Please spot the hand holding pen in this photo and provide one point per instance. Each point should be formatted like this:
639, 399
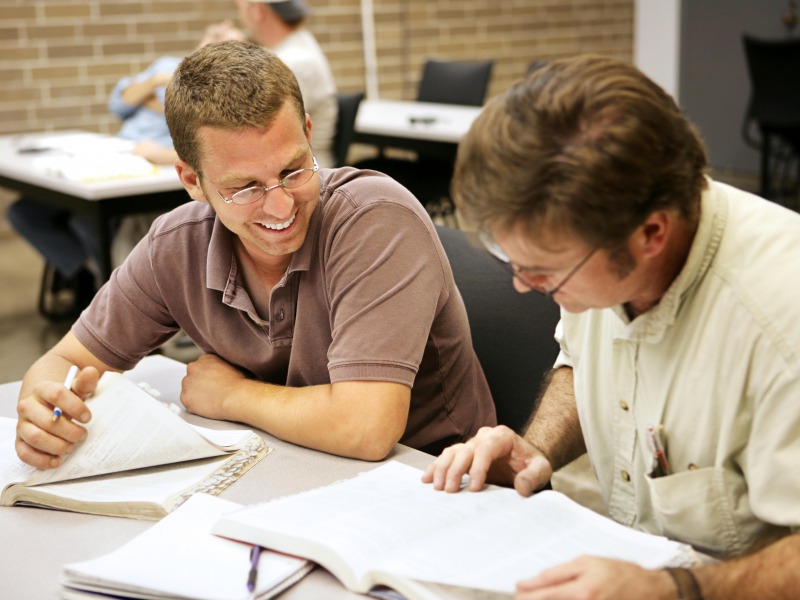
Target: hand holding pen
51, 415
73, 371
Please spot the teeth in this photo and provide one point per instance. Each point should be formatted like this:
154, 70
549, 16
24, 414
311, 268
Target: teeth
279, 226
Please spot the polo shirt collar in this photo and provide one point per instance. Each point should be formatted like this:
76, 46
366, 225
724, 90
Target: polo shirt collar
222, 267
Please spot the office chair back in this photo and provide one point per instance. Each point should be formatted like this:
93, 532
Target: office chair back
774, 110
450, 82
774, 70
345, 125
512, 333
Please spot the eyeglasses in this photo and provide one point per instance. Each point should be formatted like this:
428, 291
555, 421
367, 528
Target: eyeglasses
293, 180
522, 273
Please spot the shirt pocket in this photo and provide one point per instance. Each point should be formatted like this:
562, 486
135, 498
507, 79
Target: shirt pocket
706, 508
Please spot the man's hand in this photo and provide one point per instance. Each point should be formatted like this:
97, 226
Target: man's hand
495, 454
42, 441
209, 380
155, 152
597, 579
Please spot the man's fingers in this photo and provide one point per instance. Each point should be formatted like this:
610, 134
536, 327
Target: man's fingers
42, 443
437, 471
71, 401
463, 462
490, 449
536, 474
33, 457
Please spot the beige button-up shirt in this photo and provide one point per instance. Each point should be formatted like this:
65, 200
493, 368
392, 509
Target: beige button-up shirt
715, 365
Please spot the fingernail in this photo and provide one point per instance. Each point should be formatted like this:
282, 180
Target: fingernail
85, 417
55, 461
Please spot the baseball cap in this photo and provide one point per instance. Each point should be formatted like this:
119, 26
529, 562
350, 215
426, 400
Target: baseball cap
288, 10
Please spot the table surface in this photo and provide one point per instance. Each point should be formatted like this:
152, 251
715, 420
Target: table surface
415, 120
29, 167
37, 542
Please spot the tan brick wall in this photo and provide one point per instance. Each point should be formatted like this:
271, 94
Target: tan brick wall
59, 59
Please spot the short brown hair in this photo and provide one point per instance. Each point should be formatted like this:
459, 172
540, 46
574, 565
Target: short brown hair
586, 145
227, 85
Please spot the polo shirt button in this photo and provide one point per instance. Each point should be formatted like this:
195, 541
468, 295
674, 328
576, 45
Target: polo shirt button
625, 475
280, 315
623, 405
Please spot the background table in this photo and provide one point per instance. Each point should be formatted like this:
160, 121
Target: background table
433, 128
37, 542
101, 200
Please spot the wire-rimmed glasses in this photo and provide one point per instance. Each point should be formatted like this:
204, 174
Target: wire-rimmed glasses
523, 273
293, 180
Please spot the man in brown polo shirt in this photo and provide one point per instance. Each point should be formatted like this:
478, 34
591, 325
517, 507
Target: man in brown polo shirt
322, 298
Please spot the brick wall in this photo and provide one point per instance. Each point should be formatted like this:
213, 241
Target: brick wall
59, 59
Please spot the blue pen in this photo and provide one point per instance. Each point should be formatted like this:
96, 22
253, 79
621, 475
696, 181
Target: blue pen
252, 576
71, 374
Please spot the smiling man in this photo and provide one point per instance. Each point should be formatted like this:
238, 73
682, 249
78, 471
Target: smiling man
679, 371
322, 298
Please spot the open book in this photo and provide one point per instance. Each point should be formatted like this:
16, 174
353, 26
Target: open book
385, 527
178, 557
139, 460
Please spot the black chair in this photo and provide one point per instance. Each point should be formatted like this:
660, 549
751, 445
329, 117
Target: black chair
774, 109
62, 298
443, 82
452, 82
512, 333
345, 123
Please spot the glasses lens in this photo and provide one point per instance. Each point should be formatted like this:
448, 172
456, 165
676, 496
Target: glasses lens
492, 247
298, 178
248, 195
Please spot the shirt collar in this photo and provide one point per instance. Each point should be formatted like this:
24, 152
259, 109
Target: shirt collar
222, 267
652, 325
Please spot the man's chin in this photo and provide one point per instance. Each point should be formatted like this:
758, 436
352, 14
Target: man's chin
572, 307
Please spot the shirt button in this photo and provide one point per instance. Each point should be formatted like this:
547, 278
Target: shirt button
280, 315
623, 405
625, 475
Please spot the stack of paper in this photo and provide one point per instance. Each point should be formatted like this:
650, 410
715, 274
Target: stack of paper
180, 558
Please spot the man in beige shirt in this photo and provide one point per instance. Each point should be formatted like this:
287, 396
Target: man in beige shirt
679, 371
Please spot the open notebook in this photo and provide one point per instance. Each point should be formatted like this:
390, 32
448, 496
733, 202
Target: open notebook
179, 558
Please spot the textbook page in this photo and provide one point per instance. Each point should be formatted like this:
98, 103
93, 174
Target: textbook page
151, 486
129, 430
179, 558
386, 525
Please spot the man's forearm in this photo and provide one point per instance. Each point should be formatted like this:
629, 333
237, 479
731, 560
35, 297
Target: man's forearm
555, 429
54, 364
360, 419
137, 94
773, 572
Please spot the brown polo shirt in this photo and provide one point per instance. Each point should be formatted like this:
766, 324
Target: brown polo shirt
368, 297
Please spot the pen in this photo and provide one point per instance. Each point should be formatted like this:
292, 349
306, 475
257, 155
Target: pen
255, 554
656, 445
73, 371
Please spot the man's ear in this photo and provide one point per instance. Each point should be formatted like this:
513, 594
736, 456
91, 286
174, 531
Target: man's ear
308, 128
190, 180
653, 234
